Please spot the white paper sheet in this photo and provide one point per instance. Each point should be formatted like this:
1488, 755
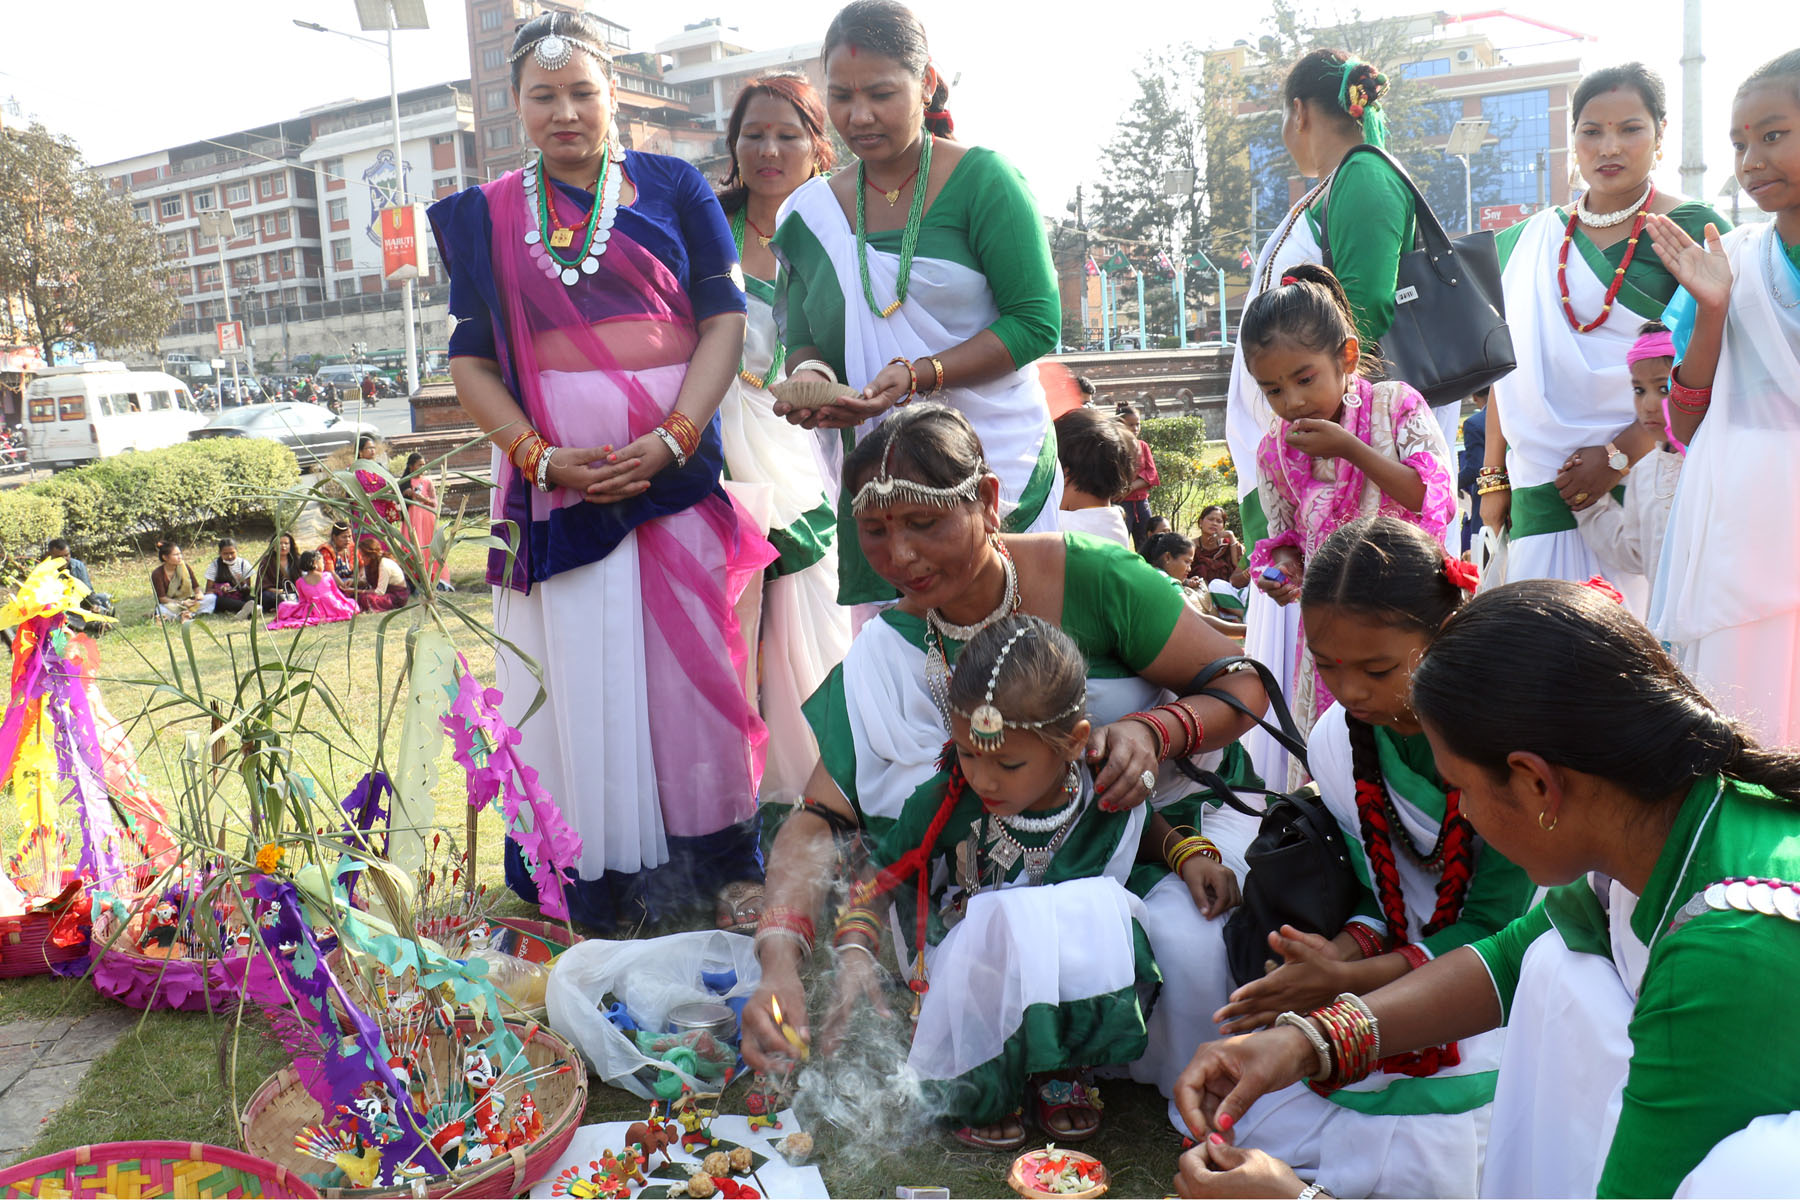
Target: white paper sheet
776, 1180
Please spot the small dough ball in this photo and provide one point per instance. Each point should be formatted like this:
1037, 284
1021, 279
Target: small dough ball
716, 1163
742, 1160
701, 1186
797, 1147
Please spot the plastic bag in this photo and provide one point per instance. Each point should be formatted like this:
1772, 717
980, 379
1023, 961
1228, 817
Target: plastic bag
650, 977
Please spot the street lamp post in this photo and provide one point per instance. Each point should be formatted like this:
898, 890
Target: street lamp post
221, 225
1178, 186
1466, 137
387, 16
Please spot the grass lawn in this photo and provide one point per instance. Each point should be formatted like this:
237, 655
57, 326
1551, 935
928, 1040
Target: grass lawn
168, 1077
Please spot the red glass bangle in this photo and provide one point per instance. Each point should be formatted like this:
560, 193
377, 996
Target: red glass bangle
1414, 955
1366, 939
1692, 401
1157, 727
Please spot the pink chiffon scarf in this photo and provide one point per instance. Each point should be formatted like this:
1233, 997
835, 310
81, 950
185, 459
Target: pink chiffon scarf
607, 376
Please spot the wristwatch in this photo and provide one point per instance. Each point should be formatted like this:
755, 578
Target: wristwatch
1617, 459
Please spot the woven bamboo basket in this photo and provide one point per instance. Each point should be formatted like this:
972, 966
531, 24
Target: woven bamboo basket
151, 1170
281, 1107
26, 948
143, 981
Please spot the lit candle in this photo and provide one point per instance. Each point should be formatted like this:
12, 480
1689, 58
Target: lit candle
787, 1031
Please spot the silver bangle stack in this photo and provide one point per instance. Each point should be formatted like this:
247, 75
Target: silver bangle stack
776, 931
1312, 1034
668, 439
543, 468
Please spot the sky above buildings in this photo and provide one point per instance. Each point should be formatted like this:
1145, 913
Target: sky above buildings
1043, 83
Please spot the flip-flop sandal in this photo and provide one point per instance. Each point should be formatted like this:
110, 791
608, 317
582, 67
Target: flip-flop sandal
738, 906
968, 1137
1055, 1096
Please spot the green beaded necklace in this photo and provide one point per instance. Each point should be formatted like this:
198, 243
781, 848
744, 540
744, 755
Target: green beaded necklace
761, 382
593, 223
909, 238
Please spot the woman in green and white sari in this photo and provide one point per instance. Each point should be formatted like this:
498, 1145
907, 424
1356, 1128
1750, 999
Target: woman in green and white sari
923, 271
1563, 429
778, 141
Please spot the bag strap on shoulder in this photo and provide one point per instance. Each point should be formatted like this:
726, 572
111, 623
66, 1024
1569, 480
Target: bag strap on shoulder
1429, 235
1285, 731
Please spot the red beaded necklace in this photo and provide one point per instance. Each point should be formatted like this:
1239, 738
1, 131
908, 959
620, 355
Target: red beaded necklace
1618, 279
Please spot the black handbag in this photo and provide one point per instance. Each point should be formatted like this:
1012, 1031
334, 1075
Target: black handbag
1449, 338
1299, 869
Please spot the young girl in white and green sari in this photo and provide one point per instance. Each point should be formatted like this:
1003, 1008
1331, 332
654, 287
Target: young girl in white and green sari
1027, 945
924, 271
1376, 593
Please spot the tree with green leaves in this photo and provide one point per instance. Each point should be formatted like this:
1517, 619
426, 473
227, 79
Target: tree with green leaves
1162, 131
70, 248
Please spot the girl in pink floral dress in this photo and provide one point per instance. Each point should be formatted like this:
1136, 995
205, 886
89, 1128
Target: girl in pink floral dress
1342, 447
320, 600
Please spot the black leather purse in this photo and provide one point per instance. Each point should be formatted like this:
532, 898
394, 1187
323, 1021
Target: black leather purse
1299, 864
1449, 338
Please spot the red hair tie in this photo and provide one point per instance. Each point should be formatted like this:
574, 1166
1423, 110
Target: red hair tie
1289, 280
1464, 575
1599, 584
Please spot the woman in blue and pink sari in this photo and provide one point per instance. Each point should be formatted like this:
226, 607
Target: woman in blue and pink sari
600, 317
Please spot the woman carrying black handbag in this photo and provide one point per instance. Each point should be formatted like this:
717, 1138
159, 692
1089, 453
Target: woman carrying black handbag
1331, 103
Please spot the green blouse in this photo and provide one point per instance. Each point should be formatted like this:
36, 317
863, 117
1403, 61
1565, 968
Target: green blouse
1648, 284
1714, 1040
1118, 609
1371, 224
983, 218
1499, 890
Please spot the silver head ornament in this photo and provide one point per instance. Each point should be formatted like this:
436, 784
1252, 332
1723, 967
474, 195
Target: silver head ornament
885, 491
987, 724
554, 51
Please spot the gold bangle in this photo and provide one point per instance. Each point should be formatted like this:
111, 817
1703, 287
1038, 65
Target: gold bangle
938, 384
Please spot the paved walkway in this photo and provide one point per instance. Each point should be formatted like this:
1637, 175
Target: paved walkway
41, 1065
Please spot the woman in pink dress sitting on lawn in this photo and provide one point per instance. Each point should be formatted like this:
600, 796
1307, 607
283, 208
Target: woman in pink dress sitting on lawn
320, 601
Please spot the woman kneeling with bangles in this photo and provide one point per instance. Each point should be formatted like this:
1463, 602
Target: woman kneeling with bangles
1652, 982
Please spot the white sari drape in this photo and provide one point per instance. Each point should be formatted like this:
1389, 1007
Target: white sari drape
947, 303
1569, 390
1272, 633
775, 470
1728, 593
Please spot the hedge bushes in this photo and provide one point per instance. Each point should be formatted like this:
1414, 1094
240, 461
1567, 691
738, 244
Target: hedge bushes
26, 523
117, 504
1189, 482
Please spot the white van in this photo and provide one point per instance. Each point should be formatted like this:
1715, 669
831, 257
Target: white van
77, 414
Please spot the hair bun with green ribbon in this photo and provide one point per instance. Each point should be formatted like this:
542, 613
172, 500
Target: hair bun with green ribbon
1360, 93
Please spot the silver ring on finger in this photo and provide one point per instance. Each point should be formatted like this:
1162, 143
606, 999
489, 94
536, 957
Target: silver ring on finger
1148, 779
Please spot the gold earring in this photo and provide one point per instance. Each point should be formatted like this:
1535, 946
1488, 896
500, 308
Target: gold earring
1551, 827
